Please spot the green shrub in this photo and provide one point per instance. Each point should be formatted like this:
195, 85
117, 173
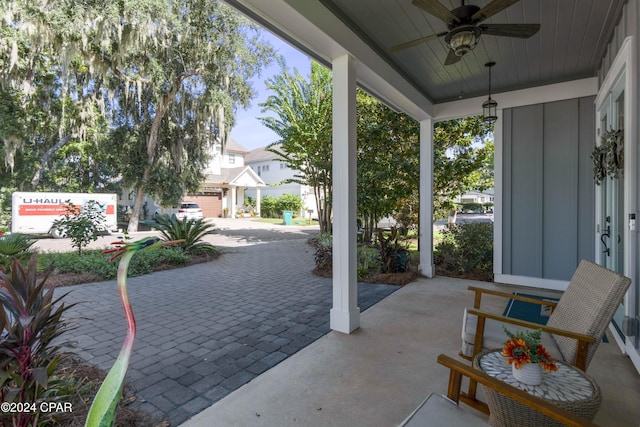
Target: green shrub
81, 224
14, 246
288, 202
189, 230
268, 207
96, 263
144, 262
467, 250
368, 260
472, 206
91, 262
272, 207
323, 243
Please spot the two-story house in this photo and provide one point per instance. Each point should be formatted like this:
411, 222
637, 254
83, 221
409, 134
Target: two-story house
222, 193
275, 172
227, 179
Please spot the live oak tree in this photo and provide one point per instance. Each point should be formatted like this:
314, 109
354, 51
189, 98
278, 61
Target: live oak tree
178, 89
46, 104
167, 76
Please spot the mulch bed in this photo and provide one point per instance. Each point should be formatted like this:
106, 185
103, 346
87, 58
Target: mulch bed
398, 279
86, 381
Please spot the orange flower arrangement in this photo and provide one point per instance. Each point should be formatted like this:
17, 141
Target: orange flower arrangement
526, 347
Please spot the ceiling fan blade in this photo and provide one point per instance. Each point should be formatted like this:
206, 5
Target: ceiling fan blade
452, 58
491, 9
436, 8
510, 30
416, 42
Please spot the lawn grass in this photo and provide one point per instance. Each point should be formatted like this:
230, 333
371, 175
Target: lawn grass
296, 221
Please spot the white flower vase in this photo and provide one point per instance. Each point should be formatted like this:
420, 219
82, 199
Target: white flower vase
529, 373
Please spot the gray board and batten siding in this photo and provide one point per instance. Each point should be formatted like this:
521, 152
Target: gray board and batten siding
549, 192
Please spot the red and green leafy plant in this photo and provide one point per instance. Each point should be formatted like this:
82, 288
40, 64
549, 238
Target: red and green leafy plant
392, 251
30, 320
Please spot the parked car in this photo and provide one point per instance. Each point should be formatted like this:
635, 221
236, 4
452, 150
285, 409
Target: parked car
189, 210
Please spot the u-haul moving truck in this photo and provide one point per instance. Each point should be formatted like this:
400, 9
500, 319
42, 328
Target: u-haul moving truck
34, 213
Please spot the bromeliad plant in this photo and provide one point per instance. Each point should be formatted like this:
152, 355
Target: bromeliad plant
30, 320
526, 347
105, 403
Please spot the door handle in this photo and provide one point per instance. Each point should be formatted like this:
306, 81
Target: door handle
606, 233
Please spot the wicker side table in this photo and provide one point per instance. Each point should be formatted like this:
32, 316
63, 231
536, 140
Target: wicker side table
568, 387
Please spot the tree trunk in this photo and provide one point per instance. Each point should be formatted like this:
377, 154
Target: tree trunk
137, 207
45, 158
152, 143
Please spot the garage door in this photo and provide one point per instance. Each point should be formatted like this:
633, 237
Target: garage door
210, 203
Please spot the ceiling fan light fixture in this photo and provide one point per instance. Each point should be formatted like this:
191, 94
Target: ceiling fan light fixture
463, 39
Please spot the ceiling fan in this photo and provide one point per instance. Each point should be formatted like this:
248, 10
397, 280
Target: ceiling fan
465, 26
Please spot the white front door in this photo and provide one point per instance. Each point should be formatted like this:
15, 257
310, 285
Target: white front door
617, 199
611, 221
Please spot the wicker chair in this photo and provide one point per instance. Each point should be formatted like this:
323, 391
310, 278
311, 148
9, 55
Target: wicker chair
575, 327
520, 407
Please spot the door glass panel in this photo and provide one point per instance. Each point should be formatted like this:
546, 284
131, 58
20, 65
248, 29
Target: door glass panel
617, 211
612, 200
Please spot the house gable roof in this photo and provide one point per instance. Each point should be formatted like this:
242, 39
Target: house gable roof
233, 146
261, 155
241, 176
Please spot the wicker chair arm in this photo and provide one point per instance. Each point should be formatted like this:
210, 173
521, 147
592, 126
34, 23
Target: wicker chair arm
480, 291
532, 325
459, 369
582, 341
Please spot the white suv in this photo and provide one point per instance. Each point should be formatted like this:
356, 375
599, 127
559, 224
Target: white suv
189, 210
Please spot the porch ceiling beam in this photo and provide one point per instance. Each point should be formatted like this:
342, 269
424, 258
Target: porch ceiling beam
307, 25
518, 98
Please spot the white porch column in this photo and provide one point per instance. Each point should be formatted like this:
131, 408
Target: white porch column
345, 314
258, 201
232, 208
426, 198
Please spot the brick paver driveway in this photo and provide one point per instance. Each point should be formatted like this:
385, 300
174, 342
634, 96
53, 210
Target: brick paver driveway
207, 329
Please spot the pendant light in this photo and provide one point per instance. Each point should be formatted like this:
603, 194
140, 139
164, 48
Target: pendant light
489, 107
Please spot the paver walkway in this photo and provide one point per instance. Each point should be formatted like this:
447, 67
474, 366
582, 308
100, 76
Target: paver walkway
207, 329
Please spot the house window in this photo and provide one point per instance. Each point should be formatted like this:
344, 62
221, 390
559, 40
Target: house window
232, 159
283, 165
265, 167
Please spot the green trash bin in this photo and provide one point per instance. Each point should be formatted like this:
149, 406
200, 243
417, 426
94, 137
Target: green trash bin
287, 216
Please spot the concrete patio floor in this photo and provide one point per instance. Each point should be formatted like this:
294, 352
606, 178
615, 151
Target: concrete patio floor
378, 375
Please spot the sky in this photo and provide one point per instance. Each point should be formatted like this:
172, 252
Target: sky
249, 131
